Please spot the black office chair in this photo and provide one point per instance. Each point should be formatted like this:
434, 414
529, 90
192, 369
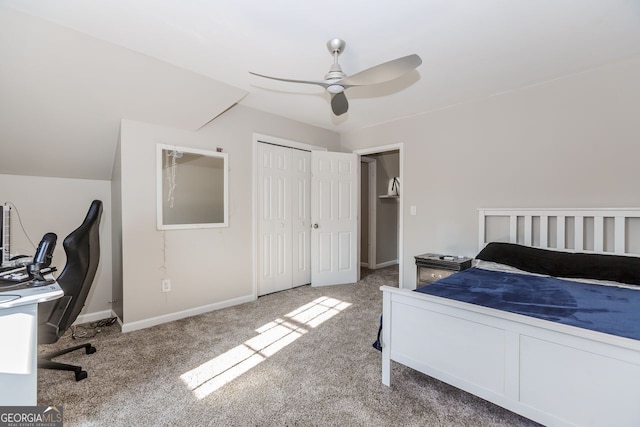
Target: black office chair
82, 247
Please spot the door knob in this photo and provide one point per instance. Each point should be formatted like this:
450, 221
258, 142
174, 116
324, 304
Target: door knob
315, 225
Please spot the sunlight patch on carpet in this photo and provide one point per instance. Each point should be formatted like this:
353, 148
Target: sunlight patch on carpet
271, 338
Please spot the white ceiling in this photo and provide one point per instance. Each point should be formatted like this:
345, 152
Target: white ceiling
470, 48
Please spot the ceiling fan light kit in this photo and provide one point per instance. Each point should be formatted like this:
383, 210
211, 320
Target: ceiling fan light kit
335, 89
336, 81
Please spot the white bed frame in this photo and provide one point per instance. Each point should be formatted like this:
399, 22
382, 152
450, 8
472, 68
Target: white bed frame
554, 374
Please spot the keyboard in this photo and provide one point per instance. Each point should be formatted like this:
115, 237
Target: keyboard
7, 268
20, 275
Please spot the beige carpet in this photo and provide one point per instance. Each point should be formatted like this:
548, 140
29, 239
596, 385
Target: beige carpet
302, 357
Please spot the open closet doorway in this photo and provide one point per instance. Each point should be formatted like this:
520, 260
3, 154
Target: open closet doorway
381, 207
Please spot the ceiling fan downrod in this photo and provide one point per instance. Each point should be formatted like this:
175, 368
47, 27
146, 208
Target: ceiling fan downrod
336, 47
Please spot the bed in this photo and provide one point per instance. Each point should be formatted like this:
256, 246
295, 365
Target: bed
559, 371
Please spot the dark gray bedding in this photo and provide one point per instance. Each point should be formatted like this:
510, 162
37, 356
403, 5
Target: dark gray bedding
623, 269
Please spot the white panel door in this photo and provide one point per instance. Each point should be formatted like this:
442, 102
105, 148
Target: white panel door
334, 214
301, 217
274, 223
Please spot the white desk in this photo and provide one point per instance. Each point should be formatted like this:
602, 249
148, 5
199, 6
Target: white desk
19, 342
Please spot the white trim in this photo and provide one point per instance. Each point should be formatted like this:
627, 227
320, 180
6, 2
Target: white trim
386, 264
159, 181
381, 149
158, 320
372, 208
93, 317
373, 213
257, 137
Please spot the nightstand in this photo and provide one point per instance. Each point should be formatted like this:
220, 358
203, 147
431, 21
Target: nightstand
432, 267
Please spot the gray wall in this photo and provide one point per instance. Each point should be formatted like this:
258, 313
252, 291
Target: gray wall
364, 213
116, 233
59, 205
207, 267
387, 167
570, 142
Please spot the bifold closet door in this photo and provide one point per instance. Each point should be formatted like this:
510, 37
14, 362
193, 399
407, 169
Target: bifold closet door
274, 225
301, 217
284, 183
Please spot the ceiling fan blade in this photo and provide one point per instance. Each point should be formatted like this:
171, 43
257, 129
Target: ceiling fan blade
339, 103
382, 73
319, 83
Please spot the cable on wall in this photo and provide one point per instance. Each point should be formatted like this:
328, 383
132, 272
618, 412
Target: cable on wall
163, 267
20, 222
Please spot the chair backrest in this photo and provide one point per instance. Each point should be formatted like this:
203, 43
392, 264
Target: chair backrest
82, 248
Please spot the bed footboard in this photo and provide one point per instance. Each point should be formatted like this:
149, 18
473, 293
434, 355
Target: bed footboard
551, 373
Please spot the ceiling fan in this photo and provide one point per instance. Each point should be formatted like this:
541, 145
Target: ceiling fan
336, 81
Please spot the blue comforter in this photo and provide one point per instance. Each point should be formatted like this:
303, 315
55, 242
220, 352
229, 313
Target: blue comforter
609, 309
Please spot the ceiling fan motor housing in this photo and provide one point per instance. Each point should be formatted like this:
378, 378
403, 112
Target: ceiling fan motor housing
335, 73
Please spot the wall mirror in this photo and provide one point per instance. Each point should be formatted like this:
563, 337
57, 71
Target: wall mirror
193, 188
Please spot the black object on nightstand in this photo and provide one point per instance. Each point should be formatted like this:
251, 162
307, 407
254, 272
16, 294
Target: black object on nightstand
432, 267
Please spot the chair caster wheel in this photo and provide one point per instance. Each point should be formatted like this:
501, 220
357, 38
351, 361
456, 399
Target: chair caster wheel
91, 350
80, 375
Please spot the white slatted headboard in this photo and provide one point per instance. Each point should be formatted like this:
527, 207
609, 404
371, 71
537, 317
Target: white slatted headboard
597, 226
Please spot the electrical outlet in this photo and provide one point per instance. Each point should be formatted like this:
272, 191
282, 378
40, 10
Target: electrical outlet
166, 285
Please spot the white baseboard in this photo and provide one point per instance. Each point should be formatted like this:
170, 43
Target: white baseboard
364, 264
153, 321
93, 317
386, 264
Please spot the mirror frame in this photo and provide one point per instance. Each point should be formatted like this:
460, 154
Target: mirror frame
160, 183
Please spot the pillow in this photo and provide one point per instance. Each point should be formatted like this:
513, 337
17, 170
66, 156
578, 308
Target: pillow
503, 268
616, 268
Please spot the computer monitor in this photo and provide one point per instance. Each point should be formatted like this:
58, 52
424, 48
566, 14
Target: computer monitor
5, 235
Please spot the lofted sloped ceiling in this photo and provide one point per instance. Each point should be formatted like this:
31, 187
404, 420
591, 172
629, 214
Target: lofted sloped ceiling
470, 49
63, 94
